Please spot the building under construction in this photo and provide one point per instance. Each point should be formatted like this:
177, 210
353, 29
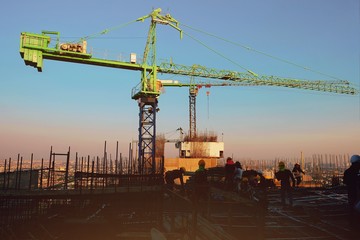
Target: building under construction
100, 198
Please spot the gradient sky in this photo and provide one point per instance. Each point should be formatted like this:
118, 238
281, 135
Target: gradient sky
82, 106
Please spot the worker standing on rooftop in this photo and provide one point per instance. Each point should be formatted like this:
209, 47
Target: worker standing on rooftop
297, 171
229, 174
238, 176
201, 182
352, 181
285, 176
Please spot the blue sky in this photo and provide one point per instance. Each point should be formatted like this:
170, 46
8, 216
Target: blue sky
82, 106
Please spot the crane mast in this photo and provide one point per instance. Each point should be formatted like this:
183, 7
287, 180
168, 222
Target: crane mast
34, 48
194, 87
192, 112
193, 90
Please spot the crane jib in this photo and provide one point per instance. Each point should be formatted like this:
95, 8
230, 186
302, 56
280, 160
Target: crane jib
35, 47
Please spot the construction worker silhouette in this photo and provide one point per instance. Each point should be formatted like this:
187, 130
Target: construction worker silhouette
201, 182
297, 171
229, 174
285, 176
352, 180
170, 177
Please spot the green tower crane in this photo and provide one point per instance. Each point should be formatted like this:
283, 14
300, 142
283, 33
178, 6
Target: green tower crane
34, 48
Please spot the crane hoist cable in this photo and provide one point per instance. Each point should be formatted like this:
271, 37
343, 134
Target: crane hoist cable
261, 52
208, 104
105, 31
220, 54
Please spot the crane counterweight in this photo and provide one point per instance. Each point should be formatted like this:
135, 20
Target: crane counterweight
74, 47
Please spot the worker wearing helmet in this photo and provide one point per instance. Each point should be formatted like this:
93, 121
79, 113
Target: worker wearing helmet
229, 173
352, 180
201, 163
285, 176
297, 171
201, 173
170, 177
201, 188
238, 176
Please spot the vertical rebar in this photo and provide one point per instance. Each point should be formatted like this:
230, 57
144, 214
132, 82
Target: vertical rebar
88, 171
49, 173
8, 177
116, 158
17, 172
4, 183
67, 170
111, 165
121, 164
31, 165
103, 174
97, 170
81, 172
92, 176
130, 157
76, 166
41, 172
20, 172
105, 166
53, 170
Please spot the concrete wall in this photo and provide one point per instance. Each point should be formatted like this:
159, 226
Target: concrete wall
202, 149
190, 164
